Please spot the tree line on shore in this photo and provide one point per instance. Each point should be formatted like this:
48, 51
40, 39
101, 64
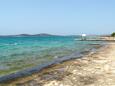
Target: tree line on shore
113, 34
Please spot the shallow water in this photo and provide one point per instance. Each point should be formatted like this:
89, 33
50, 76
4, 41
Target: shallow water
19, 53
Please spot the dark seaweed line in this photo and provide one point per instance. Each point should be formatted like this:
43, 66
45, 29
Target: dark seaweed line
27, 72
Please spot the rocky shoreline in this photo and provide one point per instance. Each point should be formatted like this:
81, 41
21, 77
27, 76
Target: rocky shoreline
95, 69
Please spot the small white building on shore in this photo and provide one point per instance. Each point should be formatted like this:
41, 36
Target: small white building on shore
83, 36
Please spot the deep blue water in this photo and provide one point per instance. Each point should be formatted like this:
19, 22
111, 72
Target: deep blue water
19, 53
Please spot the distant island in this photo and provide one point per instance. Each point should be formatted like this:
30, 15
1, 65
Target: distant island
27, 35
46, 34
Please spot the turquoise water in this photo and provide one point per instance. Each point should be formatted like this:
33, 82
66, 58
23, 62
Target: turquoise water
19, 53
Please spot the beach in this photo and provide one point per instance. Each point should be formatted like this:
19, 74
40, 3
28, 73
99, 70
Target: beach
94, 69
57, 43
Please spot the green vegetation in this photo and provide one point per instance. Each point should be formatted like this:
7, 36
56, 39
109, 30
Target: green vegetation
113, 34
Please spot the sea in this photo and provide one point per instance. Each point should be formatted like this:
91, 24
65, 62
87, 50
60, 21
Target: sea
18, 53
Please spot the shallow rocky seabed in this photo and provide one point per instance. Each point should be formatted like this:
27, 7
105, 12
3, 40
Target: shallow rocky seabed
95, 69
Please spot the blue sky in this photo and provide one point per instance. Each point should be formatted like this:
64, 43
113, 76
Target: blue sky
57, 16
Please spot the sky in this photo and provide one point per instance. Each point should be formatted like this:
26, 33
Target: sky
65, 17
